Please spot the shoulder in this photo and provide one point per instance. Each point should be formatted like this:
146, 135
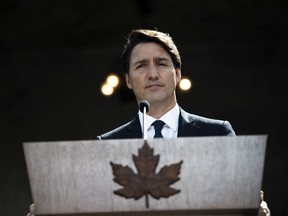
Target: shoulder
203, 126
115, 133
131, 129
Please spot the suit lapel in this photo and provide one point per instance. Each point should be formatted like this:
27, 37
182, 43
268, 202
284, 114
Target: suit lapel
133, 130
186, 125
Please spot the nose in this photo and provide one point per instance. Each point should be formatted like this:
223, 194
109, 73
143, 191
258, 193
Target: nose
153, 73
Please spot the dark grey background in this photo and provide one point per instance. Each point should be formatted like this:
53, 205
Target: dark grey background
55, 55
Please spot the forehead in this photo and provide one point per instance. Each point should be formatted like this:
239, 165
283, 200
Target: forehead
148, 50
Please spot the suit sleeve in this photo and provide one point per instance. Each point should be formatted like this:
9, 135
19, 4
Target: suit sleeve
228, 128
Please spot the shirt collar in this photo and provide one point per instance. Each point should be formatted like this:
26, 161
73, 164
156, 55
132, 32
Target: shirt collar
171, 118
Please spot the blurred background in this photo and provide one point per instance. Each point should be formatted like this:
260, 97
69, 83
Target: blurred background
55, 55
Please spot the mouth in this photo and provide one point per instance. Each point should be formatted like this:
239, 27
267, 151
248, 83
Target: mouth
154, 85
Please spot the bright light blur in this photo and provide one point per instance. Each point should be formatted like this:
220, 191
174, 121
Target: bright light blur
185, 84
113, 80
107, 89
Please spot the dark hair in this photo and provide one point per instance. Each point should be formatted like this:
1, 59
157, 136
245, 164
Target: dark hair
145, 35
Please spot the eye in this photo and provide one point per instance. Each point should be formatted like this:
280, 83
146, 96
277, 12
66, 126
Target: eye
162, 63
139, 66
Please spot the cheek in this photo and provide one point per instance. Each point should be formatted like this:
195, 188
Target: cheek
172, 80
132, 82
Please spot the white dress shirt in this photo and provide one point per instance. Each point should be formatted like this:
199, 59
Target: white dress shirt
171, 119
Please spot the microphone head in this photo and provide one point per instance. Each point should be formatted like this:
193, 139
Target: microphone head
144, 103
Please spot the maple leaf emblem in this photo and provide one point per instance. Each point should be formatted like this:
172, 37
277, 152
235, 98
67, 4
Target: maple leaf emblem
146, 181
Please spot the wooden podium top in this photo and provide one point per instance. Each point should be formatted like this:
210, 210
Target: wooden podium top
199, 175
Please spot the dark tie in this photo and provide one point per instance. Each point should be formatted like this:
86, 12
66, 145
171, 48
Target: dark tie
158, 125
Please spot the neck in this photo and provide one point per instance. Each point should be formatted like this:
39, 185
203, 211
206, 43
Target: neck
158, 110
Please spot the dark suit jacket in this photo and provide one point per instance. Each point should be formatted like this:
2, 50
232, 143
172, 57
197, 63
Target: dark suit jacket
189, 125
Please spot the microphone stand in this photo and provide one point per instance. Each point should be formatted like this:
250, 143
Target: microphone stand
144, 124
144, 108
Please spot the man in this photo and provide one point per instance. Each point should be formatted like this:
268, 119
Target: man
152, 66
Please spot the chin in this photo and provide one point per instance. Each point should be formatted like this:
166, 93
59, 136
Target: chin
156, 99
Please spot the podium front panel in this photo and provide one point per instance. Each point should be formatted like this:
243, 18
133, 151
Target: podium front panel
217, 174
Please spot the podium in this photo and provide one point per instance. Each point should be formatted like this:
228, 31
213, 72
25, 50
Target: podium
183, 176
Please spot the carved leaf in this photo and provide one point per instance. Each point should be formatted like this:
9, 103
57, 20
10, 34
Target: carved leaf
146, 181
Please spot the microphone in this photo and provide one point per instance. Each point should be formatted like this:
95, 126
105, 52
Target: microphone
144, 104
144, 108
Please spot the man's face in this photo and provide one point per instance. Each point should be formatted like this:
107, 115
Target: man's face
152, 75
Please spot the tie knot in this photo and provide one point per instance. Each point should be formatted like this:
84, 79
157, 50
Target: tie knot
158, 125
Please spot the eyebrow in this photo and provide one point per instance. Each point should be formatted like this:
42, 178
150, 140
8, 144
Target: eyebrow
157, 59
140, 61
161, 59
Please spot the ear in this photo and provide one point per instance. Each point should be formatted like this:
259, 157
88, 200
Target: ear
178, 75
128, 82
